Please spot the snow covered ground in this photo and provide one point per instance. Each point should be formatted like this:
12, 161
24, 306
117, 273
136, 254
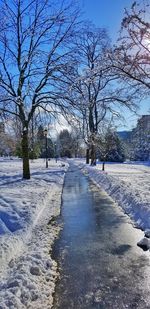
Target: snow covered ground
128, 184
27, 229
27, 232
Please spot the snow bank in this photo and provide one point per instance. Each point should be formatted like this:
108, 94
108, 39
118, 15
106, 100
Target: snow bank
27, 271
128, 185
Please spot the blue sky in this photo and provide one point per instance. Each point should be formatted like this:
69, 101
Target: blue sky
108, 14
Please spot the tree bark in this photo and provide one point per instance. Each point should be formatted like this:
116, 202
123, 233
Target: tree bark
87, 156
103, 166
25, 155
93, 155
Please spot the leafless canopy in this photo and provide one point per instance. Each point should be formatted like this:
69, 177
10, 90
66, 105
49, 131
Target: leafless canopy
95, 85
132, 55
34, 52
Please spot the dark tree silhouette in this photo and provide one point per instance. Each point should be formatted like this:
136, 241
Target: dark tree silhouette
132, 55
34, 52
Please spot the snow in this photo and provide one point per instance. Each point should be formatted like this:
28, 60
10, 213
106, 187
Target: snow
27, 208
27, 229
128, 185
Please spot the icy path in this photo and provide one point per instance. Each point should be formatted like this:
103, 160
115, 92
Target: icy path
100, 263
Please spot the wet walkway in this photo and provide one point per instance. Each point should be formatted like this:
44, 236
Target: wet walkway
99, 262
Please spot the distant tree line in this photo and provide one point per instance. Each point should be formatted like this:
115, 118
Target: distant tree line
111, 146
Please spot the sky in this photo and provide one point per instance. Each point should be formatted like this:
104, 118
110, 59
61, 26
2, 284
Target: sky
105, 13
109, 14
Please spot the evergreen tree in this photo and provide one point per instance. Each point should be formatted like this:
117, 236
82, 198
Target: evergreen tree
41, 144
65, 144
110, 147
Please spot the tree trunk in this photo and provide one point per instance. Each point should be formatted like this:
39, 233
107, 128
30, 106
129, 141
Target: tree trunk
103, 166
87, 156
25, 155
93, 155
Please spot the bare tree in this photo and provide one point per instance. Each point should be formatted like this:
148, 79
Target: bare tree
35, 48
7, 144
97, 87
132, 54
